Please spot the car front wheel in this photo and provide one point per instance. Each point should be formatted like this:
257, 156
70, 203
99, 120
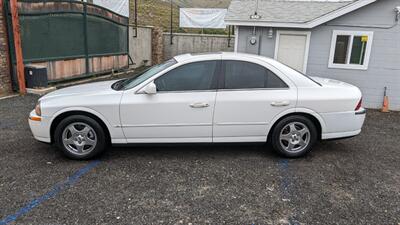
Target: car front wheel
80, 137
294, 136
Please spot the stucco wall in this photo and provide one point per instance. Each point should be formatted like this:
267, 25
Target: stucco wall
140, 46
384, 64
195, 43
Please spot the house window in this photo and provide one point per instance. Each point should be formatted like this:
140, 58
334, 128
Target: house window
350, 49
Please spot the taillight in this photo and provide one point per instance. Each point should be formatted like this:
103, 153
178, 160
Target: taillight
358, 105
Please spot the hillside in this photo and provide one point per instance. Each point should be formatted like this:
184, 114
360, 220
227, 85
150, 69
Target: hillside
157, 12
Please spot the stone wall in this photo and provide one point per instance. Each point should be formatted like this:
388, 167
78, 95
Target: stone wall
157, 46
5, 80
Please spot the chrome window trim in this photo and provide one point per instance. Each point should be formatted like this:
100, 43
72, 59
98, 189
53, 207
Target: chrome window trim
220, 90
254, 89
177, 92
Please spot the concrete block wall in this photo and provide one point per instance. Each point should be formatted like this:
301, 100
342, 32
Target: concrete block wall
5, 79
195, 43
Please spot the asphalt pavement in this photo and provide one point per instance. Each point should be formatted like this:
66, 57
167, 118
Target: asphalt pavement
352, 181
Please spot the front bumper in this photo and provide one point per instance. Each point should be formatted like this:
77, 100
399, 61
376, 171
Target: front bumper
40, 129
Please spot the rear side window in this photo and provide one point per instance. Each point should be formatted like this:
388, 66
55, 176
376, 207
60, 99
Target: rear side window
189, 77
246, 75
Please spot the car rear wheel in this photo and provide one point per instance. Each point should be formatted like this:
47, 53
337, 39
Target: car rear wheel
294, 136
80, 137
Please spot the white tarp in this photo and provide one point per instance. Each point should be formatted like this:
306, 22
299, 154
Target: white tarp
202, 18
119, 6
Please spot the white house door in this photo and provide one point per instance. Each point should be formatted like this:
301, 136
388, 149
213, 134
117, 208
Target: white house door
292, 49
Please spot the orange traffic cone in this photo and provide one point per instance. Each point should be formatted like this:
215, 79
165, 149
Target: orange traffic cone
385, 106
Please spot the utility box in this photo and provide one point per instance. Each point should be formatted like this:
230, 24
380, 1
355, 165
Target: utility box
35, 76
253, 44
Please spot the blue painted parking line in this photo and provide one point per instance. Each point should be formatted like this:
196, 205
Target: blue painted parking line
53, 192
285, 182
285, 187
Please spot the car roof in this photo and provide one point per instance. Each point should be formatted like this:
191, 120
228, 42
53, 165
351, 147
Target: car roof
197, 56
218, 55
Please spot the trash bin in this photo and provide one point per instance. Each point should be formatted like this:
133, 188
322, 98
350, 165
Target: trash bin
35, 76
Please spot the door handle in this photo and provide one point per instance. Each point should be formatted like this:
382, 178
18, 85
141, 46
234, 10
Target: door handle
199, 105
280, 103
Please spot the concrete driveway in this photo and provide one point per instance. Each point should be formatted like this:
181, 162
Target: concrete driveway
353, 181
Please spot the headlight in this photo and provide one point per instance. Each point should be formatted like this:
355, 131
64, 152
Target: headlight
38, 110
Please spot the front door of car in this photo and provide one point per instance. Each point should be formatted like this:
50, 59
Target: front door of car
181, 110
250, 95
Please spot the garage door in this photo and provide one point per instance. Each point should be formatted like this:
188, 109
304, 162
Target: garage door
292, 49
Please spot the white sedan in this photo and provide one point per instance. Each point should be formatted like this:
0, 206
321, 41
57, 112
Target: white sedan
215, 97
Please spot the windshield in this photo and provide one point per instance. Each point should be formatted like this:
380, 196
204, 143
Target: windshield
137, 79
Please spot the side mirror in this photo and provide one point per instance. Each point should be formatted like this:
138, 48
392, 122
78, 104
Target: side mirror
150, 89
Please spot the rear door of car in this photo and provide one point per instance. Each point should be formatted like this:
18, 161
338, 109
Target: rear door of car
250, 94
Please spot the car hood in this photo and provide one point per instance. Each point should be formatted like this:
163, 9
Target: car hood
326, 82
82, 90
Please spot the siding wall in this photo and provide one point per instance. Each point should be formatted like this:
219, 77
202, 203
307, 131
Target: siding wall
384, 65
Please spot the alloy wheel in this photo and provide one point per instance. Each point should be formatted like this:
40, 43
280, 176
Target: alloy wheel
79, 138
294, 137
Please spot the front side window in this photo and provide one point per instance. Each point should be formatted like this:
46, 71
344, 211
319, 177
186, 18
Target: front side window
139, 78
246, 75
189, 77
350, 49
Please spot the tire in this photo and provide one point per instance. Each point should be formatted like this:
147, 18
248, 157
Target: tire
80, 137
294, 136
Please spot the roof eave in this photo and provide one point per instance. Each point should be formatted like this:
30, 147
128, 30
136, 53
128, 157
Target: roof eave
306, 25
265, 24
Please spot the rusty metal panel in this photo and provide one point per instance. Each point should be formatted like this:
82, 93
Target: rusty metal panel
107, 63
100, 64
58, 70
99, 11
73, 38
49, 6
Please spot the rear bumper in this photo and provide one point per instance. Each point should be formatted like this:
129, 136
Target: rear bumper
361, 112
343, 124
40, 129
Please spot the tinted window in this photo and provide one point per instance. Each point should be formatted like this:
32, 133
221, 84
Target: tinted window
242, 75
192, 76
133, 81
